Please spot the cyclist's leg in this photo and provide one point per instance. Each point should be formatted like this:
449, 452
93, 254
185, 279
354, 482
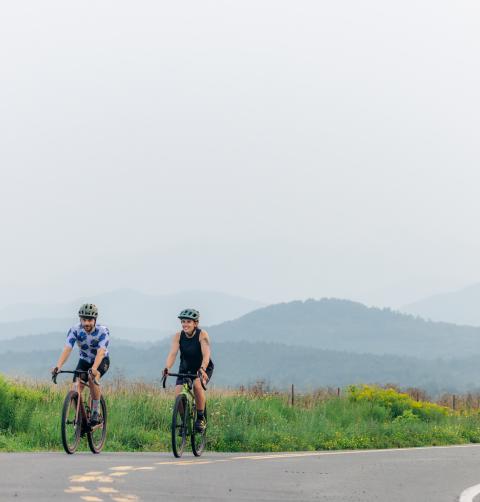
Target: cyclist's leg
199, 395
102, 369
179, 385
200, 400
82, 366
200, 421
95, 390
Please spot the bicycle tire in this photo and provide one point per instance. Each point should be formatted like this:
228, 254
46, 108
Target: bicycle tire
95, 445
70, 403
199, 439
179, 425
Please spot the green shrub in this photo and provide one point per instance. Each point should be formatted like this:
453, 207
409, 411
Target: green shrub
17, 405
140, 417
396, 404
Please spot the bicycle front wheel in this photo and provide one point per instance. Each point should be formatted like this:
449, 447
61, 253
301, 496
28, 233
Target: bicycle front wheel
71, 425
179, 425
96, 436
199, 439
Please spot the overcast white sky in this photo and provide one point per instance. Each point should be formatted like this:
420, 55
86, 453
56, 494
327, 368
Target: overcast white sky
271, 149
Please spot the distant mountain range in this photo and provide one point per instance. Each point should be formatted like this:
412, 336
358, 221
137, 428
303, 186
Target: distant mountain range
32, 327
349, 326
244, 363
459, 307
55, 341
309, 343
132, 309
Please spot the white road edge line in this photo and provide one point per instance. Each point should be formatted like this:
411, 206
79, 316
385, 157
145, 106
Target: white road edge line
469, 494
276, 456
347, 452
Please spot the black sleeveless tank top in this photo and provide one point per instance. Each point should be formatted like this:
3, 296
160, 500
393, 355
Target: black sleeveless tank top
191, 353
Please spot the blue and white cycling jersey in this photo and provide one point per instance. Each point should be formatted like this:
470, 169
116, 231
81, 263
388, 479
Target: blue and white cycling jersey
88, 343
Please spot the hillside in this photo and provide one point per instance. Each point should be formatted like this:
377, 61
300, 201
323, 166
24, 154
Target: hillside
348, 326
311, 343
243, 363
32, 327
459, 307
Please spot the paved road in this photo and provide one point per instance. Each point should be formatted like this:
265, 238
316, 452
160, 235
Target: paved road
421, 474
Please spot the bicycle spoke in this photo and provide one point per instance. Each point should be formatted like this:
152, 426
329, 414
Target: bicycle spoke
179, 426
96, 436
70, 428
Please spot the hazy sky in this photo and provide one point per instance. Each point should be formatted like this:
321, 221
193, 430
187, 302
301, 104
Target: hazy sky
271, 149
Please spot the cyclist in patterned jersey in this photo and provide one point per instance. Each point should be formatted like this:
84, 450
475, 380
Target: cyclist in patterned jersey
194, 345
92, 340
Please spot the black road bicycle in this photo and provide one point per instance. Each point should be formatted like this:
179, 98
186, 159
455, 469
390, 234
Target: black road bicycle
76, 416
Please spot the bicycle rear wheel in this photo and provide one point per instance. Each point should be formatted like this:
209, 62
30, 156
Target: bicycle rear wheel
199, 439
179, 425
96, 437
70, 426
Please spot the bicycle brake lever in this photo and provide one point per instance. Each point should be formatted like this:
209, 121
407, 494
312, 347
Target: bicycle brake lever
95, 381
200, 377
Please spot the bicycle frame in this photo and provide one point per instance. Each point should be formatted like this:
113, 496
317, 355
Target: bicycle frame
78, 386
189, 377
187, 391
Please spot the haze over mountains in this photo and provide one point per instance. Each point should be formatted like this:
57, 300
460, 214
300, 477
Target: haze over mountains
244, 363
459, 307
125, 308
310, 343
350, 326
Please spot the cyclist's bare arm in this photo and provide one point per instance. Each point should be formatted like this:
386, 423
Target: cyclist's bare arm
205, 345
174, 348
63, 357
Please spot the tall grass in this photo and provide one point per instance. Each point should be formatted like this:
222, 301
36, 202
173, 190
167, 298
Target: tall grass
140, 415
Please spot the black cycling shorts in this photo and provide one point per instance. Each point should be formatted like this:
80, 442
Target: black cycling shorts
181, 380
85, 366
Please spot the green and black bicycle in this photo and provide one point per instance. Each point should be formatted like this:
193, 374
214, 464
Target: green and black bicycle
184, 416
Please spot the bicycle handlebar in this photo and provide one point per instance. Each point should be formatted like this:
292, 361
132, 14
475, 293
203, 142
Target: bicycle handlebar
184, 375
75, 372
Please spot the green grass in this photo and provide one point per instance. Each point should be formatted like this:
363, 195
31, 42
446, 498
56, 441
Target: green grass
139, 420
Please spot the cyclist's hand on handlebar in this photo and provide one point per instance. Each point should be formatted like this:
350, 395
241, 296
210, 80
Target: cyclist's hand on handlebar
54, 372
164, 377
95, 373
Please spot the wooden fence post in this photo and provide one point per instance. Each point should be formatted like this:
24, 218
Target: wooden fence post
293, 395
454, 402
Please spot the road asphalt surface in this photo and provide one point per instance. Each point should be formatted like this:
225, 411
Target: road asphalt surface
407, 475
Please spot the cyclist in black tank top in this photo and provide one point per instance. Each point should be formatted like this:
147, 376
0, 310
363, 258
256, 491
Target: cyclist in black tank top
194, 346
